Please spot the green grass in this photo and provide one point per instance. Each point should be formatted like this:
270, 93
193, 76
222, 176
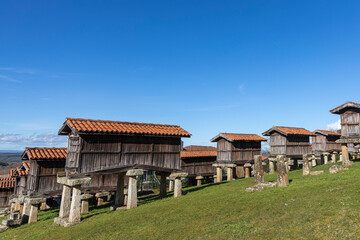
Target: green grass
312, 207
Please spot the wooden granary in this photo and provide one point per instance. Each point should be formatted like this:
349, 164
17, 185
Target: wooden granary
290, 141
7, 185
197, 161
20, 174
238, 150
350, 128
122, 148
325, 141
45, 163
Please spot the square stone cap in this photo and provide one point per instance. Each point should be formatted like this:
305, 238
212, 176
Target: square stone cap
102, 194
86, 196
199, 178
135, 172
178, 174
247, 165
34, 201
73, 181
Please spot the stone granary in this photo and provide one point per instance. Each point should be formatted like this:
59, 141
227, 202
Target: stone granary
350, 128
289, 141
197, 161
236, 151
7, 185
324, 143
122, 148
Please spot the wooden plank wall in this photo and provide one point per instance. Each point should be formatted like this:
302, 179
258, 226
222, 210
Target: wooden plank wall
350, 123
199, 166
98, 152
277, 144
4, 197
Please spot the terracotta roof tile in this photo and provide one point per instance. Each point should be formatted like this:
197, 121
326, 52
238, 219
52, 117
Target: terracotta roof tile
45, 153
338, 109
199, 148
238, 137
194, 154
289, 131
328, 132
13, 172
116, 127
7, 182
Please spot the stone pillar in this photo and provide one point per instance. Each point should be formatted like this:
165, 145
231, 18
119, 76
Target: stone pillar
21, 208
306, 168
65, 202
345, 154
258, 170
34, 204
218, 174
132, 187
326, 158
26, 213
282, 179
33, 214
12, 206
230, 172
178, 184
341, 157
171, 184
163, 193
85, 202
247, 167
100, 197
119, 195
43, 206
354, 157
75, 208
199, 180
271, 167
313, 160
333, 157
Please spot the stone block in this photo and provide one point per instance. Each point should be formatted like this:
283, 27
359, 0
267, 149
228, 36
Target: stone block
86, 196
102, 194
135, 172
74, 181
178, 174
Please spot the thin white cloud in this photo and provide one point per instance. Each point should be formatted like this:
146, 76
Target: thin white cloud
17, 70
241, 87
9, 79
334, 126
47, 139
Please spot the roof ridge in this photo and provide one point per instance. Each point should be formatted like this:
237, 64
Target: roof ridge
123, 122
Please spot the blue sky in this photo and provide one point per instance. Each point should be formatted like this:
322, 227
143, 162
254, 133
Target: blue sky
208, 66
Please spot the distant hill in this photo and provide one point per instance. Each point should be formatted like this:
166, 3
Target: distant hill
10, 157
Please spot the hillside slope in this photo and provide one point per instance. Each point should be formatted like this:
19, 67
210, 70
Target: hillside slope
312, 207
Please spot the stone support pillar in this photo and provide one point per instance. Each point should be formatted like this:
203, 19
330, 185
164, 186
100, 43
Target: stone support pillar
75, 208
178, 184
26, 213
85, 202
199, 180
34, 204
100, 197
283, 179
163, 177
247, 167
271, 167
258, 170
326, 158
345, 154
218, 174
230, 173
119, 195
65, 202
171, 184
313, 160
132, 187
306, 167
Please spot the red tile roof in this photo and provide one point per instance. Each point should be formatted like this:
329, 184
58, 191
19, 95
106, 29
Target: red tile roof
7, 182
289, 131
348, 104
263, 158
13, 172
116, 127
324, 132
196, 154
238, 137
26, 165
44, 154
199, 148
21, 172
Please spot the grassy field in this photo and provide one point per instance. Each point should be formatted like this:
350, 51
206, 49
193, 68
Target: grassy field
312, 207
